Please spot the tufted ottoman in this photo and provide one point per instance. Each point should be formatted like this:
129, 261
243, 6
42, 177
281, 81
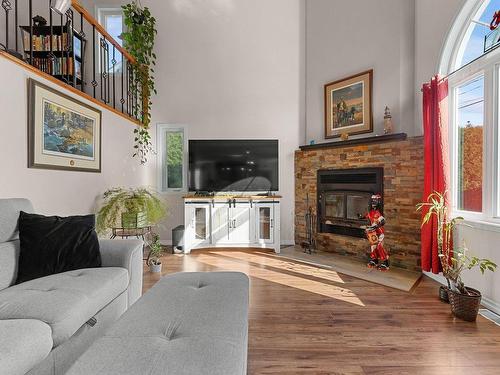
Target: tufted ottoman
188, 323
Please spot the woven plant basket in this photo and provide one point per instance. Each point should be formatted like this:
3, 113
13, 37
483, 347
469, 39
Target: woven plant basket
443, 294
465, 306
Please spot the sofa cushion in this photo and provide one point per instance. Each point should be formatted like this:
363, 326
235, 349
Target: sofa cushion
197, 323
9, 215
9, 255
9, 243
23, 344
64, 301
53, 244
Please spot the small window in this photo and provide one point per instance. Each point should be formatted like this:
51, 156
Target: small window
172, 153
472, 45
112, 21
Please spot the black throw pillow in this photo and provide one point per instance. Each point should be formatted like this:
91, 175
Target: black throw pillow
53, 244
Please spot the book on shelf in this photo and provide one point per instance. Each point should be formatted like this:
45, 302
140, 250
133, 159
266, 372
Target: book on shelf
56, 66
42, 42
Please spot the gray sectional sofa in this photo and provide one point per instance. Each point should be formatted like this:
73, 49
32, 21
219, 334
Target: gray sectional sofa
47, 323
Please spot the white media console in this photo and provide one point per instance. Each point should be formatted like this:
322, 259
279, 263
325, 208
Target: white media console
231, 221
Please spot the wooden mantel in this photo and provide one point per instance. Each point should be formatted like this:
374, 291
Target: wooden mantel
359, 141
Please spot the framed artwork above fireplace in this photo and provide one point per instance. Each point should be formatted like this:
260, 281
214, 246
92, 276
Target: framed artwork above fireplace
348, 105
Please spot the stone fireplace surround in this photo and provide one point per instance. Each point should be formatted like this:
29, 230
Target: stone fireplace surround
402, 161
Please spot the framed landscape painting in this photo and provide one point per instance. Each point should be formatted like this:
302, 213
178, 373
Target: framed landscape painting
348, 105
63, 133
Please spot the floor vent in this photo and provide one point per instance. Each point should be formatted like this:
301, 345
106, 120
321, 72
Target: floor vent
490, 315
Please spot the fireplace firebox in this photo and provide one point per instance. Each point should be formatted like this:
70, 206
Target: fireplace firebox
344, 196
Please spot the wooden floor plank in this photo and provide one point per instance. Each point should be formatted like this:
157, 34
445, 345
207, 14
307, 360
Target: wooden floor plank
305, 320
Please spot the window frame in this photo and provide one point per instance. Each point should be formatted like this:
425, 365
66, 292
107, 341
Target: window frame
101, 12
161, 130
489, 66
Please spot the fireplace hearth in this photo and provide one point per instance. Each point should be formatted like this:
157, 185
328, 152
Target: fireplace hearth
344, 197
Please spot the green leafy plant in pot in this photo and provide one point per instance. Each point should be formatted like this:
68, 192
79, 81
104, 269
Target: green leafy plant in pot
464, 300
129, 208
155, 253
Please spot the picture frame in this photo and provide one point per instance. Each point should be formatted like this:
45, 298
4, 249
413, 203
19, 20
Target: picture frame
63, 133
348, 105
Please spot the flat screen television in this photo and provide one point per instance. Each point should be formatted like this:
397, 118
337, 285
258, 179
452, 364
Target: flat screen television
233, 165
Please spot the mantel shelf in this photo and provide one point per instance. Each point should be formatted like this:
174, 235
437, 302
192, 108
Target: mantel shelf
357, 142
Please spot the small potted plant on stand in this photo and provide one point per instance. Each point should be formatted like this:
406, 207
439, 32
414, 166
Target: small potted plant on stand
129, 208
155, 253
464, 300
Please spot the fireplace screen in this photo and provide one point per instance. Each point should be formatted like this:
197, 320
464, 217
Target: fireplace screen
344, 198
357, 205
346, 205
334, 205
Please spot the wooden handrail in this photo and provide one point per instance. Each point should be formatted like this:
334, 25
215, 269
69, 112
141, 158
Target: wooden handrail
90, 19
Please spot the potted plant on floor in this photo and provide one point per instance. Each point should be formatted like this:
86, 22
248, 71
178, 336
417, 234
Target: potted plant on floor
129, 208
464, 300
155, 253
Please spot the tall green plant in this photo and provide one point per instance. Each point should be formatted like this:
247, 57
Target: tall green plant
436, 206
139, 39
453, 261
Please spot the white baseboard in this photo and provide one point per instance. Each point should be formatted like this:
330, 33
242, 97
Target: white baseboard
485, 301
491, 305
283, 243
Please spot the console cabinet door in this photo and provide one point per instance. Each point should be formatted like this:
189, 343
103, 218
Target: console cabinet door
198, 224
220, 223
240, 223
264, 225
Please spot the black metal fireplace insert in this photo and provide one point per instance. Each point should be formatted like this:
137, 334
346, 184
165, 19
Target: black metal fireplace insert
344, 196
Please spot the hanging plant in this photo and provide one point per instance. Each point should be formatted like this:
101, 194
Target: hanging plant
139, 39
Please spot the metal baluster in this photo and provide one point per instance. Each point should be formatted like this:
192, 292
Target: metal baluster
113, 63
122, 101
70, 63
51, 54
63, 48
82, 54
104, 70
30, 11
16, 25
136, 89
128, 87
7, 7
94, 82
108, 78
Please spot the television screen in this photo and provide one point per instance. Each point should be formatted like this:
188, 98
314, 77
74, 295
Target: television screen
233, 165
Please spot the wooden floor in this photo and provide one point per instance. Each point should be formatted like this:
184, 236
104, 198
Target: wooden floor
306, 320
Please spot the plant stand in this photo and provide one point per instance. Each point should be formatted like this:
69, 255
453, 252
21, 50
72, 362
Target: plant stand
143, 233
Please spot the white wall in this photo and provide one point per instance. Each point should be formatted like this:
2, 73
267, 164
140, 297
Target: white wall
232, 69
58, 192
431, 30
348, 37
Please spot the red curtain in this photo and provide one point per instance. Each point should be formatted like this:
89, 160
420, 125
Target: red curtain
436, 161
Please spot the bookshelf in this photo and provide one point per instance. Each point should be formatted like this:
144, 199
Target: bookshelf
64, 59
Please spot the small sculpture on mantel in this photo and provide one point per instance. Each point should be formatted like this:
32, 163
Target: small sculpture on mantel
387, 121
375, 234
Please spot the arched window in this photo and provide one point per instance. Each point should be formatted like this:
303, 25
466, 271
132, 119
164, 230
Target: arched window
472, 61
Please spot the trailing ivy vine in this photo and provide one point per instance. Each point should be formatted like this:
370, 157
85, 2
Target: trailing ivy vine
139, 38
